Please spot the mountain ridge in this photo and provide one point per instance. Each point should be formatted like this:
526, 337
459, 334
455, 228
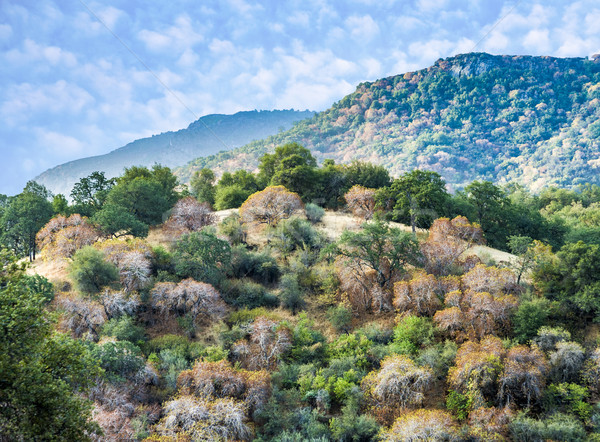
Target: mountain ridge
527, 119
175, 148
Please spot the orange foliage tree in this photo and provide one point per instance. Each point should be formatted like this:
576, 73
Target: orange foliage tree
524, 376
477, 370
419, 295
361, 201
132, 258
189, 215
483, 307
221, 380
269, 206
448, 240
61, 237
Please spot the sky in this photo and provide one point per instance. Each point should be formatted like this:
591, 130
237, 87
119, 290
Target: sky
82, 77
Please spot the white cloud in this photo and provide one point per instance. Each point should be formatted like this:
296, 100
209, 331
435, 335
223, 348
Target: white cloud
183, 34
59, 145
5, 31
538, 41
362, 28
33, 52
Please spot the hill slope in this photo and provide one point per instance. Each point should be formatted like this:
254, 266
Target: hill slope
532, 120
176, 148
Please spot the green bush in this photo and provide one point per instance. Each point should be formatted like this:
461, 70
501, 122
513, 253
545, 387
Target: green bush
261, 267
245, 293
459, 404
40, 286
121, 360
293, 234
411, 334
124, 329
233, 229
314, 213
558, 427
292, 295
340, 318
90, 272
530, 317
202, 256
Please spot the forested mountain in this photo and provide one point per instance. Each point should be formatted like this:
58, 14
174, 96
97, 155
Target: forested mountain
530, 120
175, 148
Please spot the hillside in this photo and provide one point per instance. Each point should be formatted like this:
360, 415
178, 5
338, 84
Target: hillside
176, 148
531, 120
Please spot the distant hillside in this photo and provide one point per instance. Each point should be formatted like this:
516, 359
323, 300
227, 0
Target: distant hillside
531, 120
176, 148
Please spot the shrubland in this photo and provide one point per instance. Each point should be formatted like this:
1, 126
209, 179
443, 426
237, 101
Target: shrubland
286, 320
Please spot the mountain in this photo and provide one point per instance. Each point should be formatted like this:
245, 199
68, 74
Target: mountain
176, 148
524, 119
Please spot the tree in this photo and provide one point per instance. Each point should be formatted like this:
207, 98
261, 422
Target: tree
42, 371
189, 215
422, 425
90, 272
522, 247
379, 247
361, 201
188, 297
492, 210
447, 242
269, 206
268, 342
202, 184
25, 215
90, 192
202, 256
61, 237
419, 295
271, 164
417, 197
524, 377
573, 279
399, 383
116, 221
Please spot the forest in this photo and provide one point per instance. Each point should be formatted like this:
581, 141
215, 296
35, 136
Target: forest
304, 302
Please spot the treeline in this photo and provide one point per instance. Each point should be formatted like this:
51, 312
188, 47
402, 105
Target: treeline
265, 326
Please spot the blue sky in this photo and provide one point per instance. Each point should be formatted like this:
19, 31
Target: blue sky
69, 89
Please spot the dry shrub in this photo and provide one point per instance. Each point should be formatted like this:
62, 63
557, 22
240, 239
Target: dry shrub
448, 240
61, 237
269, 206
361, 201
189, 215
425, 425
268, 341
398, 384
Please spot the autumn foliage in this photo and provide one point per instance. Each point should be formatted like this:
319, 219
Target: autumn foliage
61, 237
269, 206
447, 242
425, 425
361, 201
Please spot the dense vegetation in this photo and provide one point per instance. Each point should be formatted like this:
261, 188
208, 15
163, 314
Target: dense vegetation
172, 322
505, 119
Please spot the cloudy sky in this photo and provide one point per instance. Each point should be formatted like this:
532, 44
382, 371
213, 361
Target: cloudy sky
69, 88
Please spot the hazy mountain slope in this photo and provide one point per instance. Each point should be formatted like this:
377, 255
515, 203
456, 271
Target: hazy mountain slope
176, 148
533, 120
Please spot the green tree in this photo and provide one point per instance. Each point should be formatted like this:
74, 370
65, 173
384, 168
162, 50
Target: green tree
141, 197
91, 272
90, 192
573, 278
202, 256
417, 197
60, 205
271, 164
25, 215
41, 370
202, 184
379, 247
116, 221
